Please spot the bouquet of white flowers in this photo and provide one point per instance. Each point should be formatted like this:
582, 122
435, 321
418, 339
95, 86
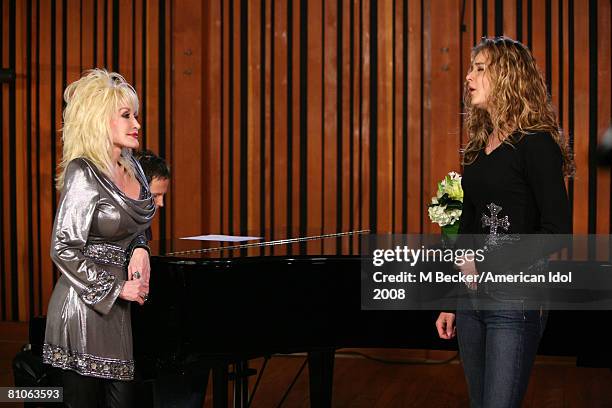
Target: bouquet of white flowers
445, 207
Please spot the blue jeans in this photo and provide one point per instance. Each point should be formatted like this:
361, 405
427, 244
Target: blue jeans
497, 348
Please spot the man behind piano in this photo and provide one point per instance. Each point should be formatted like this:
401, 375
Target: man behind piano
172, 389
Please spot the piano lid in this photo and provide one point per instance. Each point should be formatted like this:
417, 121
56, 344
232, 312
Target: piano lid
276, 243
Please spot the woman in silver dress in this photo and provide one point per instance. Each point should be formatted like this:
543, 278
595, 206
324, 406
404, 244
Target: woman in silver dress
98, 242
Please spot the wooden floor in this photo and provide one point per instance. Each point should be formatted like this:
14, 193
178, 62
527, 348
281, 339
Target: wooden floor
402, 379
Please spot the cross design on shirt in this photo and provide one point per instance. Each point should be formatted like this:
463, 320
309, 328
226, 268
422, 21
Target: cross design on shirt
493, 222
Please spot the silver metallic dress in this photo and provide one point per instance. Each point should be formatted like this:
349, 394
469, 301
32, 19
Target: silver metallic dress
96, 225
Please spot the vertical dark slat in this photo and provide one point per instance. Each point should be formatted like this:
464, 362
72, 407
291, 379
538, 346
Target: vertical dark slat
231, 104
95, 33
421, 120
143, 74
225, 118
339, 115
519, 20
272, 151
263, 96
3, 252
135, 48
548, 44
530, 24
491, 17
115, 35
303, 146
65, 53
406, 91
38, 202
105, 32
499, 17
161, 103
394, 142
593, 128
397, 185
81, 37
244, 112
358, 206
560, 64
29, 175
475, 20
570, 96
290, 107
373, 115
12, 148
169, 29
485, 18
351, 118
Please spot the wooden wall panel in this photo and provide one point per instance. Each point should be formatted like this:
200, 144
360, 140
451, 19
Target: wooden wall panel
299, 118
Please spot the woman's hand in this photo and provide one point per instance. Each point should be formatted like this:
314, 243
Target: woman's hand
446, 325
135, 290
468, 269
140, 263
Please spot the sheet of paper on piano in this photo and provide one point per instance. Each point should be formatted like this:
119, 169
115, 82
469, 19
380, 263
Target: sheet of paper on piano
222, 238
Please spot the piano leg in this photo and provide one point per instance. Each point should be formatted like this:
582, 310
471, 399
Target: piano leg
241, 384
321, 376
220, 377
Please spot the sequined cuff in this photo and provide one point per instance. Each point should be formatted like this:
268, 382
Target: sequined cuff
98, 290
139, 242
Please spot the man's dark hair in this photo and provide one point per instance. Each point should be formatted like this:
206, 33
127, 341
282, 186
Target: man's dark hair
152, 165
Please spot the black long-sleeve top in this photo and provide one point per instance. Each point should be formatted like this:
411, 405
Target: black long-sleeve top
525, 181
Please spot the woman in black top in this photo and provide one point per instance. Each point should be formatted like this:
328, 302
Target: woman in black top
514, 167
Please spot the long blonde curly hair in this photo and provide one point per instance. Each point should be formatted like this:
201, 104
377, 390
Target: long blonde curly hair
518, 94
90, 103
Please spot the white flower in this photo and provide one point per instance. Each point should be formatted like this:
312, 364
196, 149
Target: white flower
438, 213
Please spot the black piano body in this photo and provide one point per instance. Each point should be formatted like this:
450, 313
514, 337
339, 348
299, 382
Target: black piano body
211, 307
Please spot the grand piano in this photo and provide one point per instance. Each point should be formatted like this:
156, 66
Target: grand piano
216, 306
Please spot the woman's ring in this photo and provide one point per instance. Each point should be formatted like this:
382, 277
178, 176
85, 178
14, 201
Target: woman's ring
136, 275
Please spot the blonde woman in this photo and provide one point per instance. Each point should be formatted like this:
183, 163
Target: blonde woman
514, 167
98, 242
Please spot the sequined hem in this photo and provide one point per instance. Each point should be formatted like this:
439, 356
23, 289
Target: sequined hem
105, 253
87, 364
96, 291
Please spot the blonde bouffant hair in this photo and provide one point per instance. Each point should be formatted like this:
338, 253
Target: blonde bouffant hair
519, 96
90, 103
